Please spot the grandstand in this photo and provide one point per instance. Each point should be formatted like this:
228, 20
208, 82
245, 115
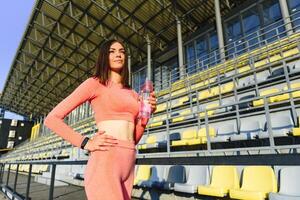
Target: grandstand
226, 76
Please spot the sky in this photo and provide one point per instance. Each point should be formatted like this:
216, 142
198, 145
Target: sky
14, 17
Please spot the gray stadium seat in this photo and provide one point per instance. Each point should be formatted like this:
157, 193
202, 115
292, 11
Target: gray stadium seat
294, 68
224, 132
196, 175
281, 126
289, 184
176, 174
157, 175
249, 129
243, 82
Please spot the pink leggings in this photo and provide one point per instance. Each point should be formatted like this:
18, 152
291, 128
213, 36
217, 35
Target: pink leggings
109, 174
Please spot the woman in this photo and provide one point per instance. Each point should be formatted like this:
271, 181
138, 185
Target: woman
110, 169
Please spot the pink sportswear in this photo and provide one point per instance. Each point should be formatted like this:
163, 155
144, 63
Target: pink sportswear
109, 102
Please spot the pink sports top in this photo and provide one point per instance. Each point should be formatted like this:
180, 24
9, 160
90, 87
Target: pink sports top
111, 102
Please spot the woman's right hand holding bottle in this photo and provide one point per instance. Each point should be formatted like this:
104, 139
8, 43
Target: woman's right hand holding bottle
100, 142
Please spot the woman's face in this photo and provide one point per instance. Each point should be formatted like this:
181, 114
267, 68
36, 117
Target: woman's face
116, 57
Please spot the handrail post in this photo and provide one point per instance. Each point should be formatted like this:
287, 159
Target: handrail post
52, 182
8, 172
16, 179
28, 182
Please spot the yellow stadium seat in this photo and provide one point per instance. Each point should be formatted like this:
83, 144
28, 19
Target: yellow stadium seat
161, 107
223, 179
186, 136
179, 101
258, 181
203, 94
261, 63
202, 134
198, 85
296, 131
290, 52
151, 139
275, 58
296, 94
266, 93
177, 92
143, 174
244, 69
228, 87
157, 121
209, 112
182, 116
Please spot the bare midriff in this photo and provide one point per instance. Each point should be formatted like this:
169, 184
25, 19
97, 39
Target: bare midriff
120, 129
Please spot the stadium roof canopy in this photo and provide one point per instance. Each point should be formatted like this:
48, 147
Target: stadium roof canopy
60, 44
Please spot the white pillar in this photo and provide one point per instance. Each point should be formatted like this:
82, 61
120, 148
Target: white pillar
219, 30
180, 49
286, 16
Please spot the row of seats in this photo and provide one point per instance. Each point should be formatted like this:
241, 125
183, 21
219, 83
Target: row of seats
228, 87
282, 125
25, 168
272, 95
257, 182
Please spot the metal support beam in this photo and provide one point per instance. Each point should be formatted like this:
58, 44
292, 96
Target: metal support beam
180, 49
219, 30
148, 58
286, 16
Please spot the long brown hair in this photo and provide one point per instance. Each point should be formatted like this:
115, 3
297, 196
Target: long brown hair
102, 64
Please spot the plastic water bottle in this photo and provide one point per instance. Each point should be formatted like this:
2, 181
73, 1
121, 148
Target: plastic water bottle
145, 109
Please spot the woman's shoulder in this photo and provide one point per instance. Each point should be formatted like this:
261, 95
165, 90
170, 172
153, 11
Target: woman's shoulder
92, 81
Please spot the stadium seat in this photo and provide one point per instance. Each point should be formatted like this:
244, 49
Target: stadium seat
228, 87
196, 175
290, 52
271, 99
224, 132
151, 139
158, 142
186, 136
249, 129
282, 125
223, 179
289, 184
296, 131
161, 107
244, 69
294, 87
245, 104
262, 76
157, 176
210, 111
157, 121
176, 174
181, 115
202, 134
177, 92
142, 174
257, 182
295, 67
180, 101
261, 63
